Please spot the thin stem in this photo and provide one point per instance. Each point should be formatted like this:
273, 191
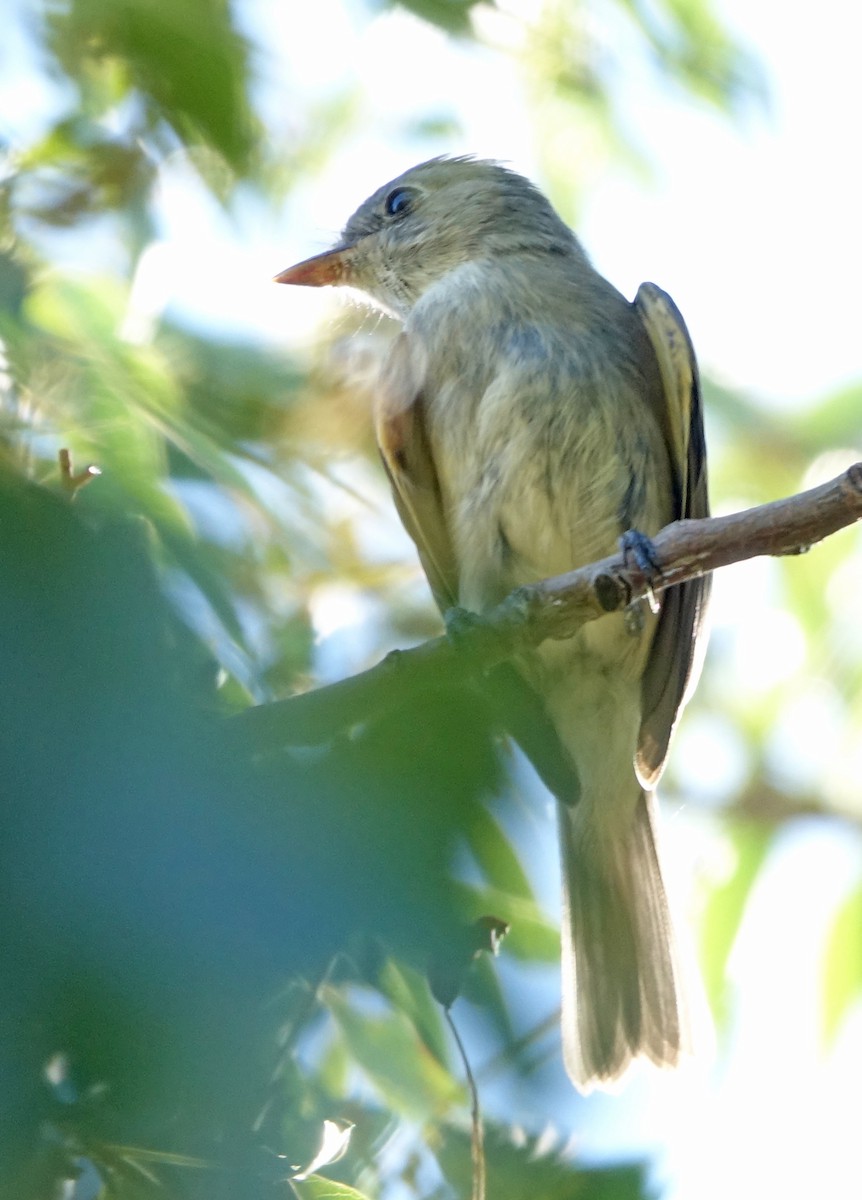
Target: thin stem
477, 1133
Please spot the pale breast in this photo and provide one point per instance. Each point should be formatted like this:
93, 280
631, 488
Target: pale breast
538, 479
540, 394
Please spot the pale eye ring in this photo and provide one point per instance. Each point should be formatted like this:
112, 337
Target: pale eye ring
398, 202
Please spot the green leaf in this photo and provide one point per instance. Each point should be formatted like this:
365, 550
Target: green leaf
532, 936
318, 1188
724, 911
399, 1064
496, 856
482, 988
527, 1167
409, 992
187, 61
451, 15
842, 965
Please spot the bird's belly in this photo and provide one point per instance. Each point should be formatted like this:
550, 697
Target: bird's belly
533, 505
526, 516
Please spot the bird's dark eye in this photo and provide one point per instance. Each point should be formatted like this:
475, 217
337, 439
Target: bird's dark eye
398, 202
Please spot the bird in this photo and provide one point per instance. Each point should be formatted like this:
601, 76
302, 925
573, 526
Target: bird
530, 417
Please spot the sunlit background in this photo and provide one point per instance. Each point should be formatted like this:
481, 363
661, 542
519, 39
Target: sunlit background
712, 148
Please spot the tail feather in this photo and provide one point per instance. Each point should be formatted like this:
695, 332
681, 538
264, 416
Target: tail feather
620, 974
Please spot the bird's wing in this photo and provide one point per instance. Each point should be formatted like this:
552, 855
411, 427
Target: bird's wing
674, 661
402, 436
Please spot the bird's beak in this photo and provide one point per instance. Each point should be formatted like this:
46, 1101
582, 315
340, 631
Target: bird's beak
332, 267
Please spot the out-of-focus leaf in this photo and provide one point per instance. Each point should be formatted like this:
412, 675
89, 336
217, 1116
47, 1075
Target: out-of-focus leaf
126, 407
140, 845
723, 914
694, 47
451, 15
77, 169
408, 990
13, 280
520, 1168
570, 55
407, 1075
831, 424
334, 1067
453, 964
187, 61
481, 987
318, 1188
532, 935
142, 884
333, 1143
842, 965
496, 855
244, 394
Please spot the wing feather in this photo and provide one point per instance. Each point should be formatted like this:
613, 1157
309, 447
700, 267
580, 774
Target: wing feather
405, 447
674, 661
402, 435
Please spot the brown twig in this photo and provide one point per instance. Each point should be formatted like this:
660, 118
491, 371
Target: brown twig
557, 608
687, 549
70, 482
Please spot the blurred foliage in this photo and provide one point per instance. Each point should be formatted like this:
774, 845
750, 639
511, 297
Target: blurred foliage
842, 972
724, 910
451, 15
184, 67
526, 1166
210, 950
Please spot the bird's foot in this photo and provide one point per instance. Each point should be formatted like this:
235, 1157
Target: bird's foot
642, 552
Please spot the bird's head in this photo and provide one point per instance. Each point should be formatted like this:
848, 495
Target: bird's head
432, 219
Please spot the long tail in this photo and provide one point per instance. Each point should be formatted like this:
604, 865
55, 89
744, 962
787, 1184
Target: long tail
620, 974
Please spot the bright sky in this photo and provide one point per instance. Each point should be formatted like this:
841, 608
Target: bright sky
753, 230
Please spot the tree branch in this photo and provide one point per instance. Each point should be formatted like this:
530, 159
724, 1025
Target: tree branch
557, 608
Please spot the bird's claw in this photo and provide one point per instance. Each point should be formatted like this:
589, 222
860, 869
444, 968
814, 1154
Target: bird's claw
641, 550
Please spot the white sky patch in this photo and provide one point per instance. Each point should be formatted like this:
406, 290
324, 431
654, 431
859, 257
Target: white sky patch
709, 762
754, 231
346, 625
807, 736
769, 1126
751, 227
842, 592
152, 285
769, 648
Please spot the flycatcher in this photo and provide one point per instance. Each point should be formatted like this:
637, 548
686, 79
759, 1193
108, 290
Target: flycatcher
528, 416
